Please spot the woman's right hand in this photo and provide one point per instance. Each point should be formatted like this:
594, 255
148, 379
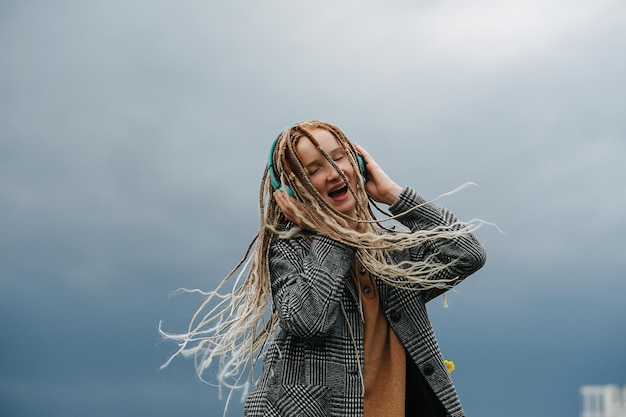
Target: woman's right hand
285, 203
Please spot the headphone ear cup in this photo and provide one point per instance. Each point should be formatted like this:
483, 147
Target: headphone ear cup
278, 186
361, 162
288, 190
273, 178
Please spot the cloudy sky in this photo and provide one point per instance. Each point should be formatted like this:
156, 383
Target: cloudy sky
133, 136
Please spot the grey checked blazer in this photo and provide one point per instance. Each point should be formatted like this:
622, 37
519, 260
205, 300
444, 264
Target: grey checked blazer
313, 367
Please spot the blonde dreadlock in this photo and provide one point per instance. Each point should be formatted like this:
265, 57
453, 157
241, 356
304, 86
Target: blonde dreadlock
235, 328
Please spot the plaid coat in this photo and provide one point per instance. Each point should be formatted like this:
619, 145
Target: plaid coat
313, 367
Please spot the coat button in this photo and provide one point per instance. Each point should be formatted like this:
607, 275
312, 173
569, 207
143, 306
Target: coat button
394, 315
428, 369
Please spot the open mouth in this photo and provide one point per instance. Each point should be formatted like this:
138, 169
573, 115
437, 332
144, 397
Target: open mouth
338, 193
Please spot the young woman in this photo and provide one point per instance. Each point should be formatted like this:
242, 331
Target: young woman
347, 333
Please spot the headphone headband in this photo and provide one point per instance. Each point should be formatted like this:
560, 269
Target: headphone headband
270, 166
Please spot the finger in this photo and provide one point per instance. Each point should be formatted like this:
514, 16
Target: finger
280, 200
285, 205
357, 146
361, 150
367, 158
285, 199
370, 164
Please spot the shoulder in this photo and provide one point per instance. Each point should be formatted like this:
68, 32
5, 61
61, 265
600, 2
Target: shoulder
305, 241
315, 246
292, 249
295, 242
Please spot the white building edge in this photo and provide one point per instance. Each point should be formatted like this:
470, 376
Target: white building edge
603, 401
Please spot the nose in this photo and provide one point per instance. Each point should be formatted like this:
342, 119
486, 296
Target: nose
331, 172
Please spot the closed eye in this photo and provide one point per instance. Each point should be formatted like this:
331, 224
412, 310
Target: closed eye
313, 169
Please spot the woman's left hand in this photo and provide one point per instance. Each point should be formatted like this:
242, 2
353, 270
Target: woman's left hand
378, 185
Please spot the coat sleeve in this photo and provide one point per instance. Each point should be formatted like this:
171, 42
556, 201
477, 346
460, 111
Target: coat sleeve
463, 253
308, 280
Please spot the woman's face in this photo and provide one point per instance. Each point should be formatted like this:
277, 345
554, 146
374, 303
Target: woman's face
324, 177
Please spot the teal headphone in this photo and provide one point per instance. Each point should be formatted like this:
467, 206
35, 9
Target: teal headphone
276, 182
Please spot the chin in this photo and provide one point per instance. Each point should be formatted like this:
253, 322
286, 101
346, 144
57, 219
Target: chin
348, 211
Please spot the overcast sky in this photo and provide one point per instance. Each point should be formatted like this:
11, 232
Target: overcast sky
133, 137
